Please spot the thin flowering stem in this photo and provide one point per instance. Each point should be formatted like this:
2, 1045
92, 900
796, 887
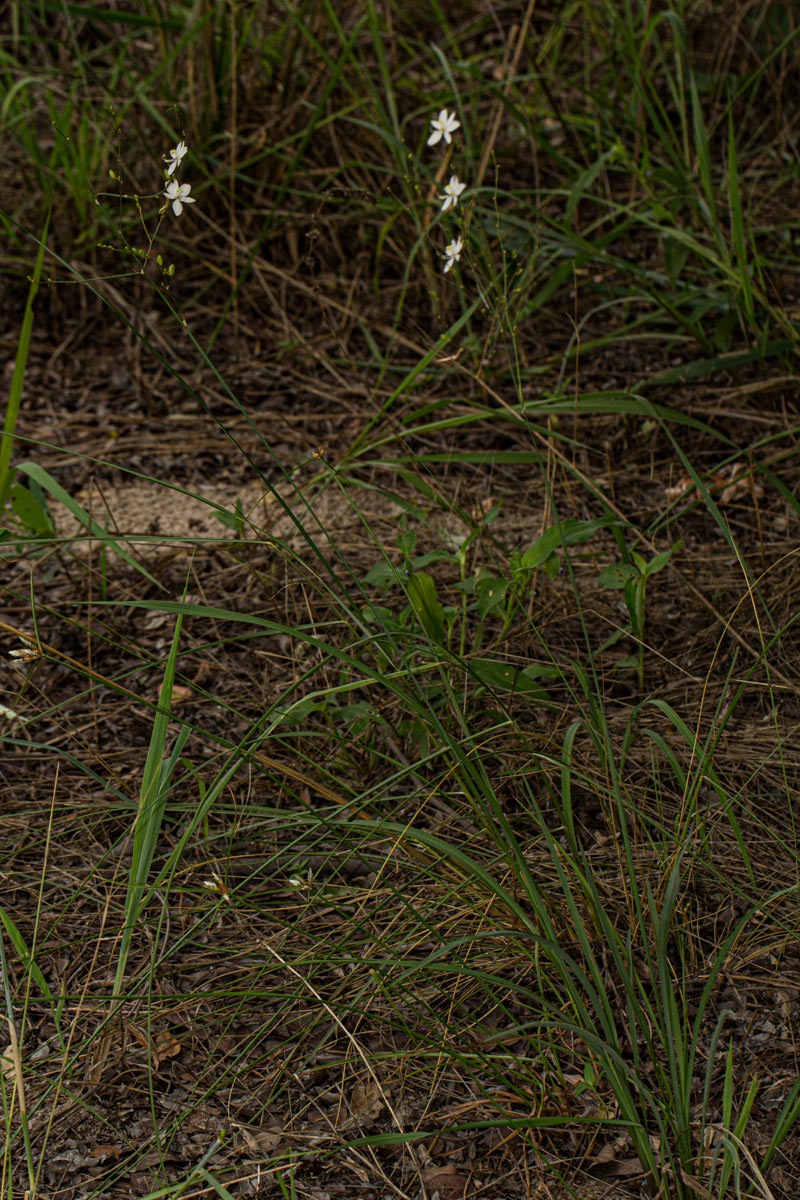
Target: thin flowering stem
177, 195
437, 182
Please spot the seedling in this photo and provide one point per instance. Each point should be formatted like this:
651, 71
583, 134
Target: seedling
631, 578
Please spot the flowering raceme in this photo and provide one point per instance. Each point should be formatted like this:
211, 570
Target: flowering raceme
443, 127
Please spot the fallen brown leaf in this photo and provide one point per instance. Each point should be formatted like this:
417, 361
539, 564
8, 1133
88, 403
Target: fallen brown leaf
165, 1045
366, 1101
447, 1181
257, 1142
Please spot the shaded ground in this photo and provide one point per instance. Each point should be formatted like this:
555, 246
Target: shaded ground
194, 1064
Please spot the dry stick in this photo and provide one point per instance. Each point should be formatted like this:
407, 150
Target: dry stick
16, 1060
500, 107
328, 301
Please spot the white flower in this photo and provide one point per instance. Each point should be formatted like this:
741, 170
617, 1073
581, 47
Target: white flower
443, 126
452, 253
173, 157
451, 193
178, 193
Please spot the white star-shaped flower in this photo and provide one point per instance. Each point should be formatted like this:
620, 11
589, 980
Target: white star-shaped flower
173, 157
443, 126
452, 192
452, 253
178, 193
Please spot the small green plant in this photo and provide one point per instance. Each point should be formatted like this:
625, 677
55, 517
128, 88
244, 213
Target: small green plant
23, 507
630, 577
29, 516
488, 597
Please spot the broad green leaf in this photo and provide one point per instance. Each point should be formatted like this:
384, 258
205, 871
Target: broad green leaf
22, 950
425, 603
617, 575
503, 677
541, 550
659, 561
491, 594
572, 532
383, 575
30, 511
45, 480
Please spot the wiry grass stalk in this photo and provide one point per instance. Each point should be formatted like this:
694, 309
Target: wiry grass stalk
159, 769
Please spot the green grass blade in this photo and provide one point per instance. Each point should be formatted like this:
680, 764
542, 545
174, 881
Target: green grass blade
737, 222
153, 796
45, 480
18, 378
